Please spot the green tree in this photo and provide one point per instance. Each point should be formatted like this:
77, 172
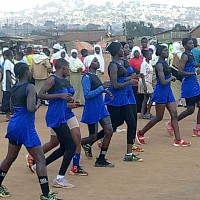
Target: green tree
138, 29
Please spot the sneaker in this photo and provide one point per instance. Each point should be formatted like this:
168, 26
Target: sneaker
77, 170
4, 192
62, 183
131, 158
30, 163
103, 163
169, 128
88, 150
51, 196
196, 133
137, 148
139, 138
181, 143
99, 143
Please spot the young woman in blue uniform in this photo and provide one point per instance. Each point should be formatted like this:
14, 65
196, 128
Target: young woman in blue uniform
122, 106
163, 97
21, 131
190, 89
55, 90
95, 112
74, 127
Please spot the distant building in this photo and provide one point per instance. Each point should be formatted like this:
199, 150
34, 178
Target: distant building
90, 36
195, 33
171, 35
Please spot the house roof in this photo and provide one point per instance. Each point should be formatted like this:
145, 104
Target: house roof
83, 36
171, 30
195, 28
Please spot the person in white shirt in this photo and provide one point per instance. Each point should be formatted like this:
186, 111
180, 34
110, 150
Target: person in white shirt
76, 67
99, 55
56, 54
145, 84
7, 82
1, 71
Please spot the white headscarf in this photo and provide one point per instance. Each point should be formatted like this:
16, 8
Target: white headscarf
153, 48
66, 56
135, 48
176, 48
74, 51
100, 58
37, 58
88, 60
166, 45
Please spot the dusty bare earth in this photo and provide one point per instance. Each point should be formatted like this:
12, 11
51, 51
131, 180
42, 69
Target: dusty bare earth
167, 173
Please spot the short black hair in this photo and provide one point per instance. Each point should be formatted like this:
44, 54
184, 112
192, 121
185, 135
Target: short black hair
195, 42
84, 51
7, 53
46, 51
60, 63
130, 38
145, 52
20, 69
29, 50
185, 41
144, 38
20, 54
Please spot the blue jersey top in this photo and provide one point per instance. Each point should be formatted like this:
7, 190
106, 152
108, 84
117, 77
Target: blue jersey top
69, 113
21, 127
94, 108
163, 93
196, 53
56, 113
190, 86
123, 96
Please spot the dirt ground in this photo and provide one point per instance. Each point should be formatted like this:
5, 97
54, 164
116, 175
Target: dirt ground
167, 173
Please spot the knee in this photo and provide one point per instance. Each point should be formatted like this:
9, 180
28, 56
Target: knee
93, 137
40, 158
174, 114
190, 110
109, 132
158, 118
54, 143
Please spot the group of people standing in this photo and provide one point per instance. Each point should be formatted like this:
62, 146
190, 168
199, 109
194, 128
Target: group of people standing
131, 73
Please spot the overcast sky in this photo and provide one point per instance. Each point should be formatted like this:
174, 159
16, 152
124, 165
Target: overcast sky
16, 5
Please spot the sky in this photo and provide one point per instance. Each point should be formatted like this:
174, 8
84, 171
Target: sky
16, 5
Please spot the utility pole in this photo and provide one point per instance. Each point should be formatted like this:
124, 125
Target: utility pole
124, 26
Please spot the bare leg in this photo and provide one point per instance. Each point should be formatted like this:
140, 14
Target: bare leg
13, 151
144, 106
171, 107
51, 144
187, 112
149, 104
160, 109
39, 158
76, 135
198, 114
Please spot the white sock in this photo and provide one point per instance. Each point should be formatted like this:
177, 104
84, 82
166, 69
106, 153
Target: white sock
59, 177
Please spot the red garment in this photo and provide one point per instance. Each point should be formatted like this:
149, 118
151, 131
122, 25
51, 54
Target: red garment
136, 63
86, 68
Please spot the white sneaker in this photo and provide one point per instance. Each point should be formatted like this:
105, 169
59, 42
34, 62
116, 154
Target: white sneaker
62, 183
